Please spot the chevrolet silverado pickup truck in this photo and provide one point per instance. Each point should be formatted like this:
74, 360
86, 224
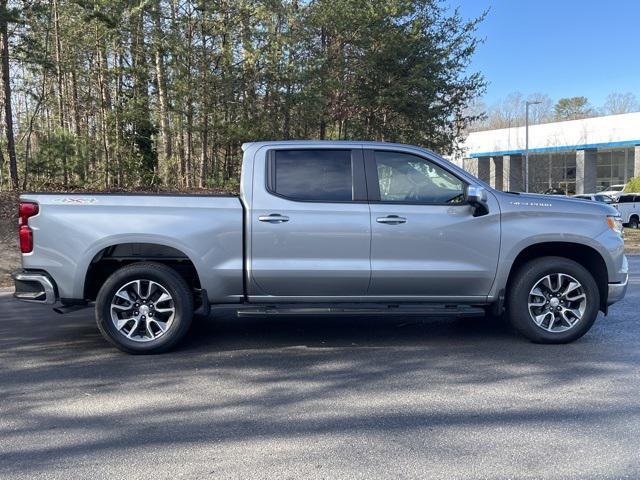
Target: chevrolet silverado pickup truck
333, 227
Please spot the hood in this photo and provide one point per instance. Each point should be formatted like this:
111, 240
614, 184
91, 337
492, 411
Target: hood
554, 203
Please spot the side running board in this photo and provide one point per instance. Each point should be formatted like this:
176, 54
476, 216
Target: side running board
436, 310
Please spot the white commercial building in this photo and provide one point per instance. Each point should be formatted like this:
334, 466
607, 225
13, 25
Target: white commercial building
577, 156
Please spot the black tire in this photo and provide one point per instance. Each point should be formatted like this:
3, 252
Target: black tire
527, 277
633, 222
167, 278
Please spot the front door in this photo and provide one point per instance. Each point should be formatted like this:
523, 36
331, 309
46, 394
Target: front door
425, 240
310, 229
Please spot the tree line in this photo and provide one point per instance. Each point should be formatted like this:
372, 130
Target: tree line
510, 111
162, 93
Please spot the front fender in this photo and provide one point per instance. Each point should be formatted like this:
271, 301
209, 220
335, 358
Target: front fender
521, 231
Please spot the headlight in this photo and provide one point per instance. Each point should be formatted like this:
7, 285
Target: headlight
615, 224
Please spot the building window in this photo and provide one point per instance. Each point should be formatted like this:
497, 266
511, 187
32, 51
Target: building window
553, 172
614, 167
539, 172
630, 163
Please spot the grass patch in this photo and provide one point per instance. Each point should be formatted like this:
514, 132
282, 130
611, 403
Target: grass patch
632, 241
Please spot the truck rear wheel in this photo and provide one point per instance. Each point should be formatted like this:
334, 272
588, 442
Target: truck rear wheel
553, 300
144, 308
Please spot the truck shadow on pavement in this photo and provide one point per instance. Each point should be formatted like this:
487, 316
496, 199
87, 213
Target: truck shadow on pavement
318, 331
69, 396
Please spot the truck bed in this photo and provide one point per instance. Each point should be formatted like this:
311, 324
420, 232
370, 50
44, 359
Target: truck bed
73, 230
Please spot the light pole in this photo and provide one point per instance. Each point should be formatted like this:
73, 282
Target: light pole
526, 143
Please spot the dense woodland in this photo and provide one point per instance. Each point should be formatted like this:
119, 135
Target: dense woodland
109, 94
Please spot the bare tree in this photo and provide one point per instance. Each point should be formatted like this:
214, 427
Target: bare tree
60, 78
6, 82
506, 113
617, 103
161, 78
542, 112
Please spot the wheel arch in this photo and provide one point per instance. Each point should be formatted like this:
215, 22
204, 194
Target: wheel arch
119, 254
583, 254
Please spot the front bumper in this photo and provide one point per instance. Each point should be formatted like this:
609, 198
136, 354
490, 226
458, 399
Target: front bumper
36, 287
617, 291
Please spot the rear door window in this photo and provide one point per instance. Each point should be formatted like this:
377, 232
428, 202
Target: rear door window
312, 175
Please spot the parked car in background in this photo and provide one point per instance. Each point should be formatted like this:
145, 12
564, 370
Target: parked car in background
555, 191
613, 191
629, 209
596, 197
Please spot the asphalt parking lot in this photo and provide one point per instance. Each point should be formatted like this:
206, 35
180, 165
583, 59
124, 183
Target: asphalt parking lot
313, 397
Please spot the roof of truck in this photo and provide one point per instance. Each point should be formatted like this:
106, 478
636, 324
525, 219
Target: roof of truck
337, 143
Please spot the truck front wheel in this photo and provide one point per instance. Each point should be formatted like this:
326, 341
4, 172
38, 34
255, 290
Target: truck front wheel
553, 300
144, 308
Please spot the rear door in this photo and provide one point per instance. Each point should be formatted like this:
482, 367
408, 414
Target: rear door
425, 240
310, 226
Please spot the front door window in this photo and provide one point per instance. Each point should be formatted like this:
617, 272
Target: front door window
406, 178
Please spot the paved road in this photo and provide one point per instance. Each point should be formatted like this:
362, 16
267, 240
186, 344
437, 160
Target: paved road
320, 398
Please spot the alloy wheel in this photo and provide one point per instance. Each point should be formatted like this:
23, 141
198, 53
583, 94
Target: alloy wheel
557, 302
142, 310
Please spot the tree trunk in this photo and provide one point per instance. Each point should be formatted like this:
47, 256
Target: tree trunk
105, 107
163, 101
183, 161
117, 116
8, 111
190, 173
1, 169
28, 149
189, 143
204, 154
75, 106
204, 93
58, 45
143, 128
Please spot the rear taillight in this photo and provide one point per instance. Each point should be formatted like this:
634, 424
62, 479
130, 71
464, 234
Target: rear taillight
26, 211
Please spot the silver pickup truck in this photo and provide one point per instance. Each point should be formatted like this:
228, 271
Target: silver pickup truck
331, 227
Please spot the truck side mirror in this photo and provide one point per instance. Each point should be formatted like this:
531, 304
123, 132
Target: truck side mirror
477, 197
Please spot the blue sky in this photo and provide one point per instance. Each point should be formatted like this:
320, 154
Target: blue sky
563, 48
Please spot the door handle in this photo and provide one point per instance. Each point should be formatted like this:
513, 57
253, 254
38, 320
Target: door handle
391, 220
273, 218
